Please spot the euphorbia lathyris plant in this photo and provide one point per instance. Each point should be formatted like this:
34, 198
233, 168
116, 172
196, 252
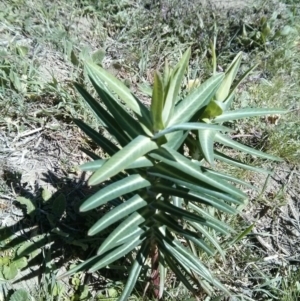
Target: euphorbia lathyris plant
156, 169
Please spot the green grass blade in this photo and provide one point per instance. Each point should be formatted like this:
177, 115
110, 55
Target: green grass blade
118, 213
123, 158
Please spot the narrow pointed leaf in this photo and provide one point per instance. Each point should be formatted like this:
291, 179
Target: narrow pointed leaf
206, 233
230, 96
199, 98
107, 146
191, 126
114, 190
162, 274
163, 171
231, 178
183, 164
80, 267
123, 158
92, 165
157, 102
246, 113
118, 213
206, 139
230, 75
99, 74
197, 197
96, 164
127, 226
108, 121
181, 277
241, 147
210, 221
129, 125
115, 254
135, 271
231, 161
192, 236
89, 153
173, 210
174, 86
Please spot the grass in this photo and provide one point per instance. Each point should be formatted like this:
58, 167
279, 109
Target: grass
41, 45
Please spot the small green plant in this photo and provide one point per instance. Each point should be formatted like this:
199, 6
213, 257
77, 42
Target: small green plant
161, 168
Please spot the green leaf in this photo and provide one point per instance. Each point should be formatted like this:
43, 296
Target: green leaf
20, 295
21, 263
241, 147
195, 197
106, 119
231, 161
130, 224
230, 75
230, 96
114, 190
9, 271
242, 235
107, 146
95, 165
59, 205
46, 195
174, 86
157, 102
206, 233
123, 158
29, 204
82, 266
185, 166
207, 139
174, 267
210, 221
98, 56
135, 271
191, 126
98, 74
199, 98
126, 122
163, 171
212, 110
116, 254
118, 213
189, 235
246, 113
